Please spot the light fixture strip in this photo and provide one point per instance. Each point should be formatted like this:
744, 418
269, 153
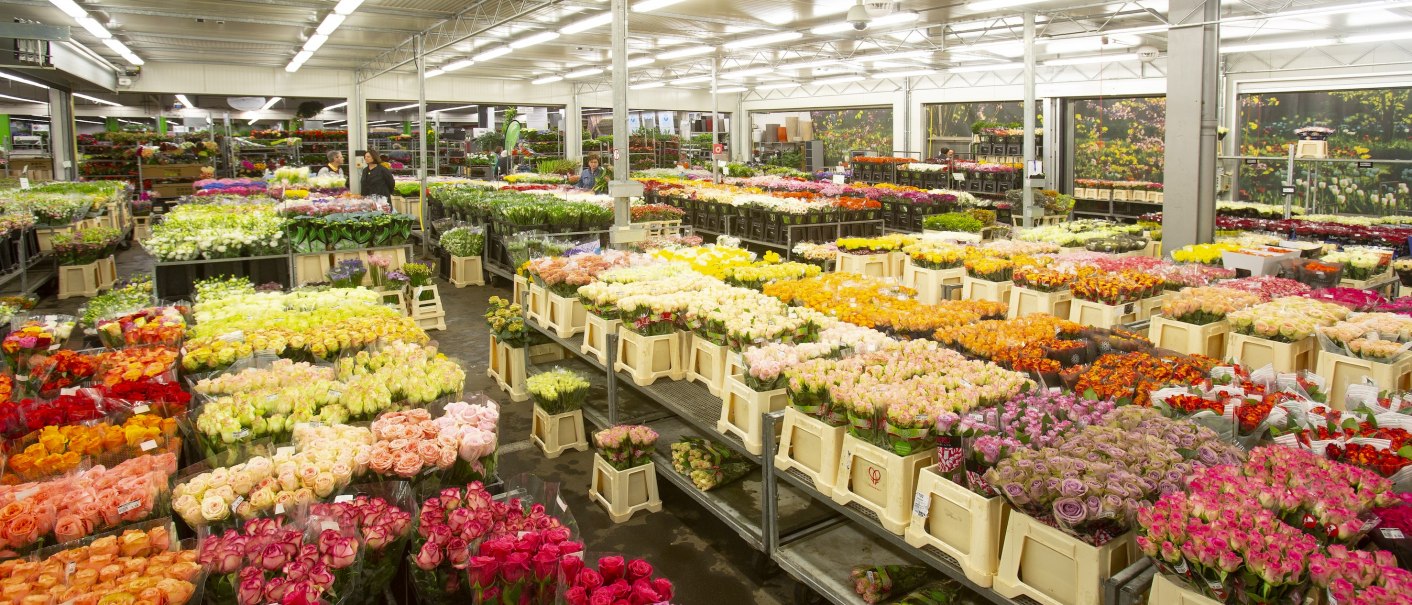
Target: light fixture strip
87, 22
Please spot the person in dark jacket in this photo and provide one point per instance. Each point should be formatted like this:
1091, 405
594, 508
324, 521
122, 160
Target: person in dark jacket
590, 175
377, 177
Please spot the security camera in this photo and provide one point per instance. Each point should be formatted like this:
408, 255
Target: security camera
858, 17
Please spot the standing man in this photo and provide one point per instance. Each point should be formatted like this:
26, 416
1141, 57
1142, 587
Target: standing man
334, 167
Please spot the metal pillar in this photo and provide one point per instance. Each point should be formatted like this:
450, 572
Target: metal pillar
622, 164
357, 136
422, 132
1190, 159
1025, 189
573, 126
715, 118
63, 148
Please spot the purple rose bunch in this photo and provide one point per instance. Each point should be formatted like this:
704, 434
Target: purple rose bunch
271, 562
1031, 420
1193, 441
1211, 538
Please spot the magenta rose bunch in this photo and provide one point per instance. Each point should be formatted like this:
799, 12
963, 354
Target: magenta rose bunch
384, 529
270, 561
1355, 299
1362, 577
1210, 538
1330, 500
523, 568
616, 581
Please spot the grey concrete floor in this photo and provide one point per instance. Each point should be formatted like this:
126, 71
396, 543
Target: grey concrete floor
707, 561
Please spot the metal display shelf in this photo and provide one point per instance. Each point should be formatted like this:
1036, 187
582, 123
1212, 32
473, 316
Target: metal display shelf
822, 559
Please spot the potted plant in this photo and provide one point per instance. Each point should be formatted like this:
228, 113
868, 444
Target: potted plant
1313, 133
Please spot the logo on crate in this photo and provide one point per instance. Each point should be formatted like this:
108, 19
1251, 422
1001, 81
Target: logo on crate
874, 475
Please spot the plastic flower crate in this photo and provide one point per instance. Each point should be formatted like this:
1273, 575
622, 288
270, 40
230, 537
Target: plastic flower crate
557, 433
595, 336
1099, 315
537, 309
1054, 568
1167, 592
1024, 301
647, 358
521, 286
107, 273
623, 493
1150, 306
46, 236
928, 282
427, 310
507, 367
741, 409
810, 447
896, 261
960, 523
466, 271
1189, 339
565, 315
980, 289
706, 364
879, 480
310, 268
1377, 281
78, 280
1339, 371
873, 265
1256, 352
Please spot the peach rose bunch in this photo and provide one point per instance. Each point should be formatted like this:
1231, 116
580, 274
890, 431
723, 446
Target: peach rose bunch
137, 566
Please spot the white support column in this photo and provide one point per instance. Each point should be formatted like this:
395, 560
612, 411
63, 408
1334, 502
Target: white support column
902, 119
62, 146
357, 136
741, 144
573, 127
715, 115
621, 187
1029, 124
1190, 159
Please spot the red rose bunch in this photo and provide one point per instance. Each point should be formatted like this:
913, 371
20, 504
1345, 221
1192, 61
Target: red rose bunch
616, 582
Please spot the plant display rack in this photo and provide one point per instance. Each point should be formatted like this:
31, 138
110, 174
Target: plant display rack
1114, 210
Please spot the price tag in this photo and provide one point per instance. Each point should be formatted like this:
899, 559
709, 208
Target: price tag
1392, 533
69, 392
921, 504
235, 505
1287, 189
960, 176
141, 409
242, 433
1365, 164
130, 506
70, 568
287, 450
1129, 308
24, 183
838, 179
279, 508
149, 445
1251, 161
343, 498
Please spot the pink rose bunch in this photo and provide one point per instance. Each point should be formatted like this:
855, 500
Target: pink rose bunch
383, 528
407, 444
1210, 538
1268, 287
1355, 299
1361, 577
1191, 274
625, 446
616, 582
473, 427
1330, 500
524, 568
454, 520
272, 562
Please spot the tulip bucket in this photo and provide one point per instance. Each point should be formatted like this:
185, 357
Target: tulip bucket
1189, 339
1054, 568
623, 493
741, 409
928, 282
706, 364
556, 433
959, 522
595, 336
536, 310
107, 273
78, 280
879, 480
647, 358
507, 367
466, 271
1256, 352
810, 447
1166, 591
981, 289
564, 315
872, 265
1339, 371
1024, 301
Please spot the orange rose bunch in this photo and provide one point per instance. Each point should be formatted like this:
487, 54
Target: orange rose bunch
1131, 378
139, 566
135, 364
55, 450
990, 339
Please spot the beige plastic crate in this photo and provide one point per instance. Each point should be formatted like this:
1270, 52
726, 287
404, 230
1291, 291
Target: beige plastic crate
741, 409
1255, 352
1099, 315
928, 282
564, 315
466, 271
1167, 592
1024, 301
960, 523
980, 289
706, 364
811, 447
1190, 339
595, 336
1054, 568
78, 280
558, 433
623, 493
647, 358
879, 481
873, 265
1339, 371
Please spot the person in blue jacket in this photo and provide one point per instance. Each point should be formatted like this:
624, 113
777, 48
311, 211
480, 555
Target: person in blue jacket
590, 175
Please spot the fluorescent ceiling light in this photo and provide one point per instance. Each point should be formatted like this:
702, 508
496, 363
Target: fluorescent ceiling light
293, 67
22, 80
87, 122
22, 100
547, 80
896, 18
909, 74
1013, 48
94, 27
640, 61
434, 73
990, 67
840, 79
690, 51
454, 108
746, 73
314, 42
1250, 48
498, 51
401, 107
586, 24
532, 40
250, 123
96, 99
301, 57
644, 85
831, 28
1090, 44
333, 107
345, 7
117, 46
777, 85
331, 22
811, 64
647, 6
185, 102
583, 73
1093, 59
133, 59
455, 65
692, 80
1388, 37
989, 5
731, 89
70, 8
764, 40
910, 54
270, 103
